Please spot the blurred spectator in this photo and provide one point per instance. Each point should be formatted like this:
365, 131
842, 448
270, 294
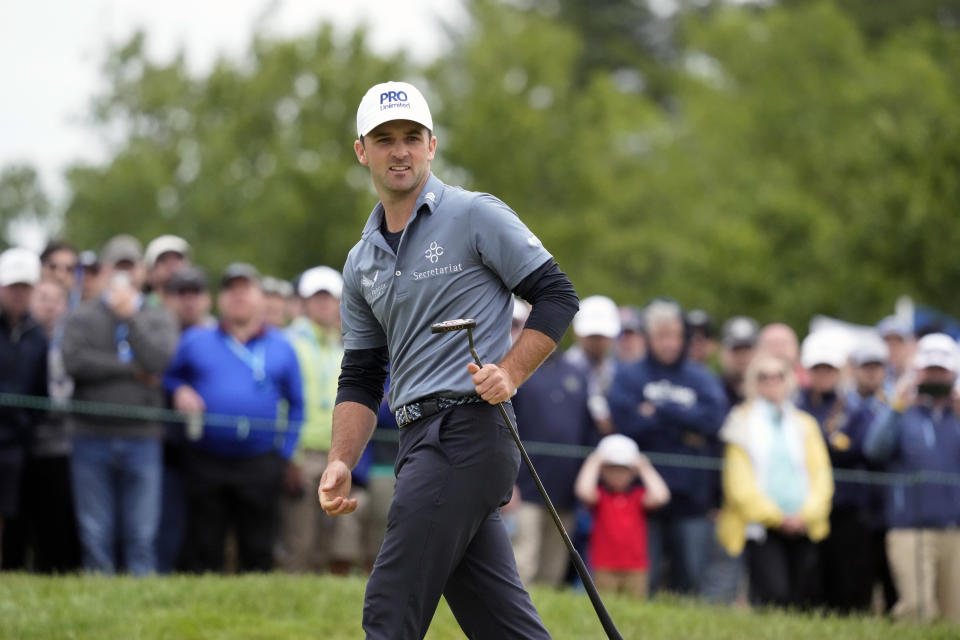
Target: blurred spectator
91, 280
739, 346
620, 485
307, 533
115, 347
780, 340
551, 407
48, 519
596, 326
777, 488
188, 298
900, 341
852, 556
823, 356
673, 406
234, 472
381, 479
165, 255
722, 580
703, 346
921, 433
277, 294
631, 345
58, 262
23, 352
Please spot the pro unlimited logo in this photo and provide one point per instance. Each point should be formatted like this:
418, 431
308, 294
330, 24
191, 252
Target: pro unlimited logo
394, 100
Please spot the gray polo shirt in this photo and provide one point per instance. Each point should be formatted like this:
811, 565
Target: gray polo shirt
460, 256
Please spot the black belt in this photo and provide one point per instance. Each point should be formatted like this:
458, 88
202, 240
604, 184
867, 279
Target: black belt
430, 406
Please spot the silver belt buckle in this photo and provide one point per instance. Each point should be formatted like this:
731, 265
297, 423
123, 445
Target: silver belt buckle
406, 418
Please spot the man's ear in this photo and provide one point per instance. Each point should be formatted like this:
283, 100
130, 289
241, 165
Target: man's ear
361, 152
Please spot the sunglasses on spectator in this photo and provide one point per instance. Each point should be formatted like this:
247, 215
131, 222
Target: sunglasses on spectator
765, 376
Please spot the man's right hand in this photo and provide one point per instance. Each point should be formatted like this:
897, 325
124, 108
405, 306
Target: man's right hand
335, 488
186, 400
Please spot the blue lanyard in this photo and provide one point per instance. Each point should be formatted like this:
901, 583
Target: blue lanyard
122, 332
255, 358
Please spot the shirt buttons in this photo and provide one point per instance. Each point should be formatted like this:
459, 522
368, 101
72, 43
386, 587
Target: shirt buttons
398, 274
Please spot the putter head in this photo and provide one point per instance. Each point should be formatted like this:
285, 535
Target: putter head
453, 325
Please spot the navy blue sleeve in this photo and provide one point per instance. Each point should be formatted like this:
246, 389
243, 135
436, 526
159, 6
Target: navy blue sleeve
553, 297
362, 374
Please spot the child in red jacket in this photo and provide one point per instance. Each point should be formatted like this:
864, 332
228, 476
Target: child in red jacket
620, 484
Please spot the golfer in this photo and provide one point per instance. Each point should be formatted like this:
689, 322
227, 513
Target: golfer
429, 253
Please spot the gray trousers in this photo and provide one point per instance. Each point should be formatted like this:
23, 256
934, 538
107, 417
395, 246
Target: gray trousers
445, 536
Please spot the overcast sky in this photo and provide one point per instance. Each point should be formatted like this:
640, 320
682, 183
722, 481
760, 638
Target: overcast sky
51, 50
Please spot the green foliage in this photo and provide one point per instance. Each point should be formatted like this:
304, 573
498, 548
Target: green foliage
281, 606
22, 198
252, 162
779, 161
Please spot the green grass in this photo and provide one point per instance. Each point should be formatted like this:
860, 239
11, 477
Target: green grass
280, 606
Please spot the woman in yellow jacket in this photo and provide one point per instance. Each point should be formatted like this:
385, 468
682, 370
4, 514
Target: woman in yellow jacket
777, 488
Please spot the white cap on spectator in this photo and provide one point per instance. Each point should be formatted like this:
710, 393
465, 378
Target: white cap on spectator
823, 347
598, 316
164, 244
320, 279
870, 349
936, 350
19, 266
392, 101
618, 449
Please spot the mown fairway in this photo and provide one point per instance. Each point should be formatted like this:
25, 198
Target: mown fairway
280, 606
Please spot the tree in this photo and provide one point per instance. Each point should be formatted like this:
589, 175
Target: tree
22, 198
251, 162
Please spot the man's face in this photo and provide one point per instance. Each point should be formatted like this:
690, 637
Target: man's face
779, 340
166, 265
398, 153
870, 377
61, 266
15, 299
48, 302
824, 378
901, 350
596, 347
666, 341
735, 360
702, 347
631, 346
323, 309
190, 306
241, 301
935, 375
275, 310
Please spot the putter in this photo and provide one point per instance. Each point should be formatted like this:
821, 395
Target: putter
606, 621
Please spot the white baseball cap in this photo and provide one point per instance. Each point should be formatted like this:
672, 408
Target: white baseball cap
164, 244
936, 350
19, 266
618, 449
823, 347
320, 279
598, 316
392, 101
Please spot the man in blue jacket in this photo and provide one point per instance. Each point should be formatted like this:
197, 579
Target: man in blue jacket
920, 434
673, 406
241, 373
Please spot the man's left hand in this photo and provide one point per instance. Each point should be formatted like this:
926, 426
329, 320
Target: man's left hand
493, 383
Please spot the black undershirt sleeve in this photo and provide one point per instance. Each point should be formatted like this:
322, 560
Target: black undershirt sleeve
362, 375
553, 297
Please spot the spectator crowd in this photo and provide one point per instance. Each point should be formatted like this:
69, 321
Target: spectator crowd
734, 465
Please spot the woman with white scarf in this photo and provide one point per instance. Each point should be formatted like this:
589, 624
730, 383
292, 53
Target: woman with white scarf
777, 488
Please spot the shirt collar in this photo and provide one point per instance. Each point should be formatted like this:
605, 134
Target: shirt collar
429, 199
